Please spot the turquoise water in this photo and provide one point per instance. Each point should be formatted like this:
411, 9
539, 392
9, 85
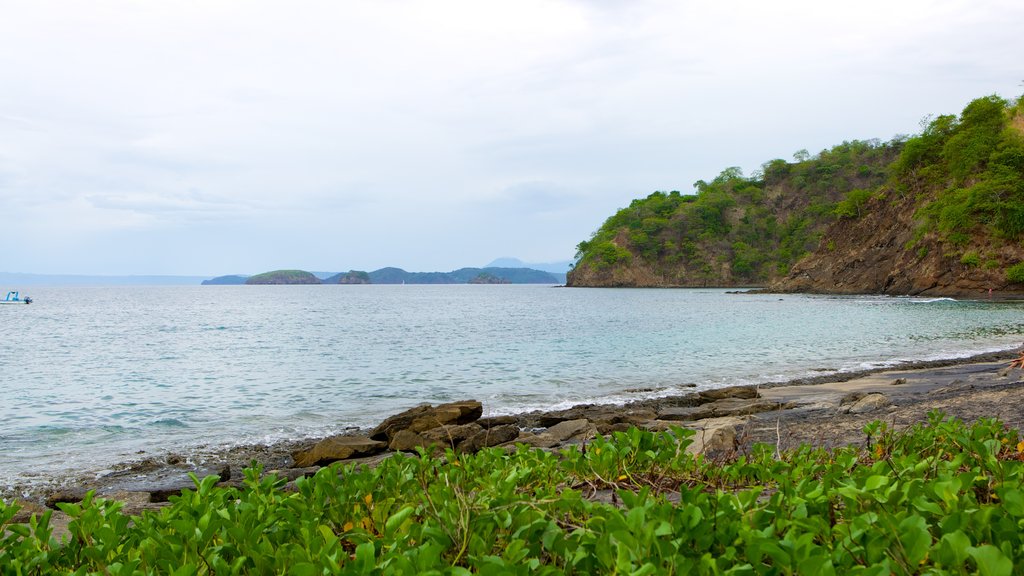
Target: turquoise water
92, 376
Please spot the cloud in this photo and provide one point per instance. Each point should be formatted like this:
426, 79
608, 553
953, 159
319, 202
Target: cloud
426, 134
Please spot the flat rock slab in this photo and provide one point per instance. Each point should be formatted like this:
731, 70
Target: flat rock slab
337, 448
719, 409
571, 429
742, 392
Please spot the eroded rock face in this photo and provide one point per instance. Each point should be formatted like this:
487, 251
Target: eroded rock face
878, 253
337, 448
425, 417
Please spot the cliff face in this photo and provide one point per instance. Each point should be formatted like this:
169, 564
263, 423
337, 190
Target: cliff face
877, 254
950, 221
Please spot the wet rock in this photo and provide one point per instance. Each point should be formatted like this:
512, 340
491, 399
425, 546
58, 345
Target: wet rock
425, 417
337, 448
868, 403
744, 392
899, 381
489, 437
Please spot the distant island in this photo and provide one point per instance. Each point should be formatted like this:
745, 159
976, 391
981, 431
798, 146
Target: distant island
488, 275
283, 277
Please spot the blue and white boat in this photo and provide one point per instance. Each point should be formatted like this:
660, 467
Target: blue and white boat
14, 297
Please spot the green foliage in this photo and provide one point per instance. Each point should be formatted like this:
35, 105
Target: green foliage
974, 165
1015, 273
970, 259
852, 205
938, 498
284, 277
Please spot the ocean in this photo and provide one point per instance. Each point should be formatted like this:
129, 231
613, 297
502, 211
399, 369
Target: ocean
95, 376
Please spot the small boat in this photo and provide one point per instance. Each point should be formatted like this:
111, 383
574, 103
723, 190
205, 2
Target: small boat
14, 297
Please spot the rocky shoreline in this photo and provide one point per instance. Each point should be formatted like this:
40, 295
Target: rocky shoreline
829, 410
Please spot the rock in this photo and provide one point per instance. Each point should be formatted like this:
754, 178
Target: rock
425, 417
71, 495
494, 421
337, 448
598, 414
720, 408
899, 381
489, 437
715, 435
746, 392
869, 403
27, 509
657, 425
571, 429
290, 474
609, 429
451, 435
542, 440
135, 503
407, 441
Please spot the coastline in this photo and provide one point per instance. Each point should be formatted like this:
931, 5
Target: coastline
815, 410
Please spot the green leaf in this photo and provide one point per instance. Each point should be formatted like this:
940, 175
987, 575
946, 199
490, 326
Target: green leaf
991, 561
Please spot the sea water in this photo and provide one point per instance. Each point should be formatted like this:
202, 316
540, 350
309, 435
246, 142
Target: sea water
90, 377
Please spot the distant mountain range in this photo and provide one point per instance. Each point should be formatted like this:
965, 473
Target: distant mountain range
556, 268
486, 275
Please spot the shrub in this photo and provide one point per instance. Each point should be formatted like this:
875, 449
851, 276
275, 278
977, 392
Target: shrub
970, 259
1015, 273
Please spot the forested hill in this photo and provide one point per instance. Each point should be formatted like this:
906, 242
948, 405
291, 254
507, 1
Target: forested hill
932, 210
949, 221
735, 230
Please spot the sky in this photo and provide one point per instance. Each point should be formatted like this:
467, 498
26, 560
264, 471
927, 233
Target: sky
211, 137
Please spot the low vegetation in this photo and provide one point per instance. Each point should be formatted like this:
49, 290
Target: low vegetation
941, 498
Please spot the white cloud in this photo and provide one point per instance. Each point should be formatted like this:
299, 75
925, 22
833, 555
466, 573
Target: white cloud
434, 134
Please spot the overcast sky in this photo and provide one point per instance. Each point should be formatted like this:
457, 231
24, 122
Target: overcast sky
211, 137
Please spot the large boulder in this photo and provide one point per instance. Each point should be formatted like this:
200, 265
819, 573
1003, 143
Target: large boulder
715, 435
337, 448
867, 403
424, 417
